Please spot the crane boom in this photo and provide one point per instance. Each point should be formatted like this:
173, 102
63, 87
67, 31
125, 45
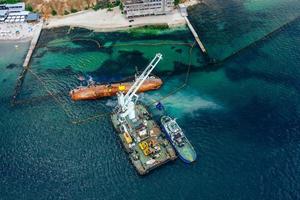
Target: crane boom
140, 80
125, 101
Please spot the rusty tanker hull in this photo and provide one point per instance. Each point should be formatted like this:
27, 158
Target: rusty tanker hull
93, 92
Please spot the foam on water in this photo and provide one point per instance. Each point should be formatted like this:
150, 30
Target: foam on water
187, 103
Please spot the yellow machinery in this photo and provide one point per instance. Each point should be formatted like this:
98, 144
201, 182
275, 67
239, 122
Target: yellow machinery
145, 148
127, 137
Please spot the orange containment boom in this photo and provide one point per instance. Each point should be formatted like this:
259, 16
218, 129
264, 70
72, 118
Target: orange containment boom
98, 91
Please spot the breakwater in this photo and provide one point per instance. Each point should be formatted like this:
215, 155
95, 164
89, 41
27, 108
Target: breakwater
31, 49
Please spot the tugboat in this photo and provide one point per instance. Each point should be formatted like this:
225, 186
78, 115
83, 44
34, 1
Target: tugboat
140, 135
177, 138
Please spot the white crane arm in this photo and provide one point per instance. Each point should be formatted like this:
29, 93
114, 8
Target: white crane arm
140, 80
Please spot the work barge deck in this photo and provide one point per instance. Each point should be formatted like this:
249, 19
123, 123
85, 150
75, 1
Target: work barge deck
143, 140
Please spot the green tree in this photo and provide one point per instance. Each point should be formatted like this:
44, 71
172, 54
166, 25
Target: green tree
29, 7
53, 12
176, 2
66, 12
97, 6
117, 3
9, 1
73, 10
121, 6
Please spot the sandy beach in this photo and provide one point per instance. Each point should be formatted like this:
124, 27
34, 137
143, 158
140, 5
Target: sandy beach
103, 20
17, 31
100, 21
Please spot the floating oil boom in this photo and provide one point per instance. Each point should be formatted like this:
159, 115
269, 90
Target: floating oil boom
141, 137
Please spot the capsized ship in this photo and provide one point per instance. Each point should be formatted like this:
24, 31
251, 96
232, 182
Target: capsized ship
178, 139
95, 91
142, 138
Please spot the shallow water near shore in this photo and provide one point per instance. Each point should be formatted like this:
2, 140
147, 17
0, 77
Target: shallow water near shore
242, 116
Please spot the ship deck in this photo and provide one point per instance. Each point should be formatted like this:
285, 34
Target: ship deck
164, 155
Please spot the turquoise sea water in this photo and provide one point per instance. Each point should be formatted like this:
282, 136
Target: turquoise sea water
241, 115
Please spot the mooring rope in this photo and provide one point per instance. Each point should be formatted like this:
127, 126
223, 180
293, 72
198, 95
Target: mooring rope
83, 39
126, 44
177, 89
68, 112
91, 118
99, 115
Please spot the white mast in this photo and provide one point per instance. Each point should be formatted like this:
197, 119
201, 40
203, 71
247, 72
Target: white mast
125, 102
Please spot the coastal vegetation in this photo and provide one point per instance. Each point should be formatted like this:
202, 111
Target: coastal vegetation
106, 4
176, 2
29, 7
65, 7
9, 1
53, 12
149, 29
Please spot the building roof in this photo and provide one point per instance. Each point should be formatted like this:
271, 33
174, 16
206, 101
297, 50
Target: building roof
182, 6
3, 12
32, 17
126, 2
19, 13
14, 4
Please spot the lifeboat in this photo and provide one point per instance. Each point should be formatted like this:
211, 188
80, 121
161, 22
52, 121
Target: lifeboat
95, 91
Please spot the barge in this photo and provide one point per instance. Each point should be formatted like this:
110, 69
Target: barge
142, 138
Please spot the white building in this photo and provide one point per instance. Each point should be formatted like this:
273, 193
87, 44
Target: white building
17, 7
183, 10
3, 15
12, 13
134, 8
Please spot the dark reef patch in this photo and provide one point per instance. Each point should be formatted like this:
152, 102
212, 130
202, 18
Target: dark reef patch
179, 51
11, 66
124, 65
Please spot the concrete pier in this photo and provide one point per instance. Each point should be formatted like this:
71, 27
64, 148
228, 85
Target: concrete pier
21, 77
33, 43
195, 35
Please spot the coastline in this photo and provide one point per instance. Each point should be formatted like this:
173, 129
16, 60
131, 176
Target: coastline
99, 21
107, 21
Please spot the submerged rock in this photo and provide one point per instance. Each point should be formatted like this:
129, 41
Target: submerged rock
11, 66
